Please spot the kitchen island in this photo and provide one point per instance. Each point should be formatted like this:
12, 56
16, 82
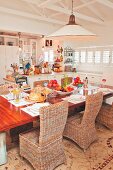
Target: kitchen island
31, 79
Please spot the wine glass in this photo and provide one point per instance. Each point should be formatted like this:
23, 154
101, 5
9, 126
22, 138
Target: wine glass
103, 83
10, 88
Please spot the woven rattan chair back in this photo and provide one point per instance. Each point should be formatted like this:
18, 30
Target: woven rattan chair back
5, 88
92, 107
111, 110
105, 116
52, 122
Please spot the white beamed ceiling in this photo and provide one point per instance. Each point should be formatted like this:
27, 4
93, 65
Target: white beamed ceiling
52, 14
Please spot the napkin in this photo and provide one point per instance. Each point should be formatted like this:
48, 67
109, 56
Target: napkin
34, 109
21, 102
75, 98
10, 96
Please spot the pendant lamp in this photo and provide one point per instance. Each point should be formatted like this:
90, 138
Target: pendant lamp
72, 29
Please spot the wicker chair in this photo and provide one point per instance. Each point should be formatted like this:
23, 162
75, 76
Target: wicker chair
4, 88
41, 83
44, 149
105, 116
81, 128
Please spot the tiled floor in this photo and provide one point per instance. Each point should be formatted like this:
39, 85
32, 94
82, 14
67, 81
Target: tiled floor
98, 156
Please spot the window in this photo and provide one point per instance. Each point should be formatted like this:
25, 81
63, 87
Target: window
49, 56
76, 56
46, 56
112, 57
90, 56
83, 57
97, 57
106, 55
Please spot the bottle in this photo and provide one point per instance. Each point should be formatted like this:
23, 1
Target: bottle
85, 82
61, 57
86, 79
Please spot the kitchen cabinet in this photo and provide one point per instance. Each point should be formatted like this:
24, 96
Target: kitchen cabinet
2, 63
68, 59
92, 77
57, 76
28, 52
8, 40
12, 55
8, 55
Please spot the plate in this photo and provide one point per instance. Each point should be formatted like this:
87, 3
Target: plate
29, 100
105, 90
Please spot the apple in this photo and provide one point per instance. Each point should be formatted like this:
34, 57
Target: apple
55, 81
54, 85
49, 84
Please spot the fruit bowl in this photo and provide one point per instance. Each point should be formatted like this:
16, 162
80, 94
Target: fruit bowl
66, 90
64, 93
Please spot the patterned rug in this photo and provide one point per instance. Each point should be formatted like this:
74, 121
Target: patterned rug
99, 156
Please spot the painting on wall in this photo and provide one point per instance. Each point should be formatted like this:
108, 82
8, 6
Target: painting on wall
48, 43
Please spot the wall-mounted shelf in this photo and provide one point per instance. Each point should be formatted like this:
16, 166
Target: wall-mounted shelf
69, 58
8, 40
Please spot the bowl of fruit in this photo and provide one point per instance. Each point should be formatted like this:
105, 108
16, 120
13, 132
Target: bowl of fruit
64, 90
53, 84
77, 82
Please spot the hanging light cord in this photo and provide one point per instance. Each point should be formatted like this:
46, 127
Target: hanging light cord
72, 7
19, 34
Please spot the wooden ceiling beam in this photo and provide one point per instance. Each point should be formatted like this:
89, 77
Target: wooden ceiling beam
46, 2
92, 9
68, 12
29, 15
106, 3
85, 4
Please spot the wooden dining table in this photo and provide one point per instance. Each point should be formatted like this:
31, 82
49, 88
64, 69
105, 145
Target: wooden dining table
12, 116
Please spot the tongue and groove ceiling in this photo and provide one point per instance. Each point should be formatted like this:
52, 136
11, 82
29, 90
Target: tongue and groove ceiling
89, 13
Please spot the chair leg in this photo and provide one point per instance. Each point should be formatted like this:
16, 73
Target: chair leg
3, 152
84, 150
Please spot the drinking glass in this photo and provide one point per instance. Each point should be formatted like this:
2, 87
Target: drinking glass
10, 88
16, 94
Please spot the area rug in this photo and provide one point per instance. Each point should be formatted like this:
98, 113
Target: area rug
99, 156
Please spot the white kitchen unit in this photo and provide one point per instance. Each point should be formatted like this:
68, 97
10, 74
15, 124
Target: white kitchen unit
59, 76
2, 63
92, 77
108, 75
8, 56
12, 56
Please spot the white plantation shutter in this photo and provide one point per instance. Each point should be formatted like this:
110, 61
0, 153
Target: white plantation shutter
83, 56
46, 56
51, 56
76, 56
90, 56
106, 57
112, 57
97, 57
